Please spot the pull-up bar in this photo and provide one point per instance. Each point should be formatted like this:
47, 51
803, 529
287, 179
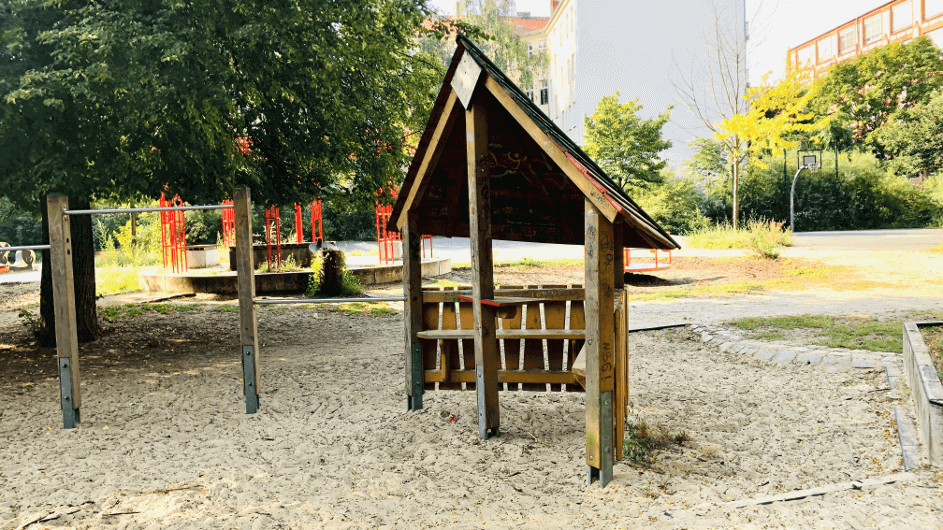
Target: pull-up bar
147, 210
29, 247
291, 301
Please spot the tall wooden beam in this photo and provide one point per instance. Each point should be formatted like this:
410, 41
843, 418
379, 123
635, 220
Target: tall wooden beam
63, 295
248, 324
479, 216
618, 254
412, 289
600, 344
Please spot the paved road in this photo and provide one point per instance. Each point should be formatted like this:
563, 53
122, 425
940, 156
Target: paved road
872, 240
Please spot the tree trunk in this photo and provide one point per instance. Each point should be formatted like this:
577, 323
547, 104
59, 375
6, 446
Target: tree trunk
736, 203
83, 266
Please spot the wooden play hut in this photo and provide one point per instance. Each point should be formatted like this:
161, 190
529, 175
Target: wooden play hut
491, 165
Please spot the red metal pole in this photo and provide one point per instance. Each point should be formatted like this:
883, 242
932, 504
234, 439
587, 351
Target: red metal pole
299, 228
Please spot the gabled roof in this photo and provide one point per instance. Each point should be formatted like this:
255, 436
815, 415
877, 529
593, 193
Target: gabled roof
539, 177
523, 26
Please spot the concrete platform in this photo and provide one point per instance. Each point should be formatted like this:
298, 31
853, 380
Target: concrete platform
225, 282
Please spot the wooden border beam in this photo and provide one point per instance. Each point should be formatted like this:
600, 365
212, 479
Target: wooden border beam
63, 294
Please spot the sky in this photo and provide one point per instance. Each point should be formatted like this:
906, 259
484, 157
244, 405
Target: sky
776, 25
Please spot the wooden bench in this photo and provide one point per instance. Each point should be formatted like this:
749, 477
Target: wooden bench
538, 344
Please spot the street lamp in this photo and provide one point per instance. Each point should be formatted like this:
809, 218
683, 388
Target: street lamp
810, 162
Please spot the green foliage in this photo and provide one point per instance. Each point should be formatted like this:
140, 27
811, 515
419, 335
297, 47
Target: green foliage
673, 205
914, 140
114, 279
18, 228
141, 250
762, 238
501, 43
870, 91
319, 285
624, 145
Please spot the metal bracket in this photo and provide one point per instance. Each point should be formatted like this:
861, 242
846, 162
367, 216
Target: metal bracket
69, 412
248, 380
483, 431
606, 438
415, 400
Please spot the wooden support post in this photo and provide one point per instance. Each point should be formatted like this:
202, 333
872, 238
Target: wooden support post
248, 325
412, 289
620, 397
600, 347
63, 295
479, 218
618, 254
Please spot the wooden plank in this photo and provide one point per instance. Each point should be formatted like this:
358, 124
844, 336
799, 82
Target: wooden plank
547, 334
621, 390
248, 323
412, 289
618, 266
479, 218
537, 377
600, 347
465, 79
443, 129
63, 294
550, 295
550, 147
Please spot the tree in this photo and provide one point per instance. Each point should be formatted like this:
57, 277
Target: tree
914, 140
625, 145
869, 92
501, 42
121, 99
714, 89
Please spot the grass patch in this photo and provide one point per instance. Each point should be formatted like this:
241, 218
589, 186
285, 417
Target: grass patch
643, 441
938, 248
113, 313
116, 279
364, 308
762, 238
228, 308
446, 283
834, 332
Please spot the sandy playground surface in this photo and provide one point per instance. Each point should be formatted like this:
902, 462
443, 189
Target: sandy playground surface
165, 442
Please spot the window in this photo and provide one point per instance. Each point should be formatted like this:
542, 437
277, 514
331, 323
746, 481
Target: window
543, 46
530, 93
847, 41
826, 48
902, 16
544, 93
932, 8
873, 28
807, 56
530, 48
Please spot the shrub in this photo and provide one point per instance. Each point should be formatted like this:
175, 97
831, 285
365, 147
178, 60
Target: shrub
331, 277
674, 206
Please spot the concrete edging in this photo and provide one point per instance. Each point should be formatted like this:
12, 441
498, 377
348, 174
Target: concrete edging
926, 389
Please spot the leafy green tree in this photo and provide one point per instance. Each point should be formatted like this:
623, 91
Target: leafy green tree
120, 100
914, 141
869, 92
501, 42
625, 145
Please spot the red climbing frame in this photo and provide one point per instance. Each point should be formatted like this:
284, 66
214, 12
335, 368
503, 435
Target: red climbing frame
229, 225
646, 265
273, 224
387, 238
173, 235
317, 222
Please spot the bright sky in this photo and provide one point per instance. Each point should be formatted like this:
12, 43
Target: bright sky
776, 26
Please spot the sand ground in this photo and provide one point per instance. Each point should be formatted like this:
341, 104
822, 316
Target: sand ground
165, 443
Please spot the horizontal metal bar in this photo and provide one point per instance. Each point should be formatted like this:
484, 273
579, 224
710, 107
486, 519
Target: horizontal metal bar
147, 210
289, 301
34, 247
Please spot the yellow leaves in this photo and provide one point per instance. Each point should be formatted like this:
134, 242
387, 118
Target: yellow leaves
776, 113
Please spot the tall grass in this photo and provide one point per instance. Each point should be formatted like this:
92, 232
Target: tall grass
762, 238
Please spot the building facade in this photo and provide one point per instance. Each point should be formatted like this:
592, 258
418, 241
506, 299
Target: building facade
598, 47
899, 21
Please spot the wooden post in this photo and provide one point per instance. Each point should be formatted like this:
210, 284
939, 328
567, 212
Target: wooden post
248, 325
412, 289
63, 294
618, 254
479, 218
620, 398
600, 347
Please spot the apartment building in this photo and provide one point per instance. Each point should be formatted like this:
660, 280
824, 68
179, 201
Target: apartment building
894, 22
598, 47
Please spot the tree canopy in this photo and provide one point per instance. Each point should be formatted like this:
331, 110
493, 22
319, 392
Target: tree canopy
120, 99
915, 140
625, 145
865, 94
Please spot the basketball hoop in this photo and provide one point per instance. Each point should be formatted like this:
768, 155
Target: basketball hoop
805, 159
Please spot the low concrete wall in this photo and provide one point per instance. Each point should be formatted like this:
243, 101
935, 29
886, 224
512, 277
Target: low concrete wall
926, 389
279, 282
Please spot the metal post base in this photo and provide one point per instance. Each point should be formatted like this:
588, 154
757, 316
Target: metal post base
489, 433
414, 402
600, 475
248, 378
70, 415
